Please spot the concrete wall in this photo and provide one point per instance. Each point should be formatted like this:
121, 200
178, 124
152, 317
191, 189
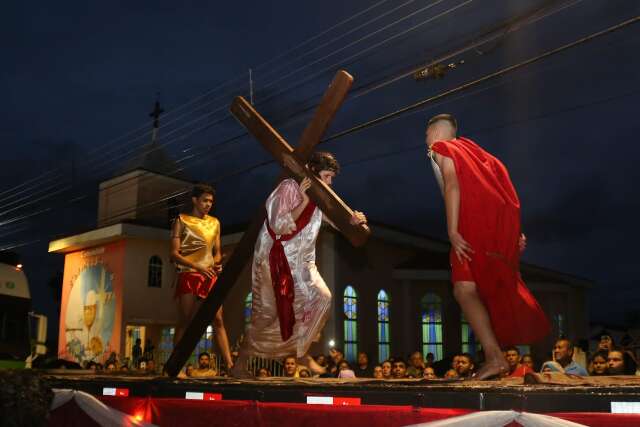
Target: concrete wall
118, 198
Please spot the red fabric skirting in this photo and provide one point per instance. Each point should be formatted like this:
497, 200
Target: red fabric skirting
181, 412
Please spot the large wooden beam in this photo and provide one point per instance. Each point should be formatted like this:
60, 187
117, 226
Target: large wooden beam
326, 199
332, 100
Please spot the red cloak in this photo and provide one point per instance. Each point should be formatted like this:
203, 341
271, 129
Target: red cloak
490, 222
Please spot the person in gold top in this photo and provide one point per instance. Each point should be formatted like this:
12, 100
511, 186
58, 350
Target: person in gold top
195, 248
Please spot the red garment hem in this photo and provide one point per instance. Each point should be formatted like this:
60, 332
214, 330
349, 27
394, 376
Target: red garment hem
194, 283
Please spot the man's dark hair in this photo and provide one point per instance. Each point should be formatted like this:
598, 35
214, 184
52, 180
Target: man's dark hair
204, 353
600, 353
443, 117
202, 188
469, 357
323, 161
568, 341
398, 360
512, 348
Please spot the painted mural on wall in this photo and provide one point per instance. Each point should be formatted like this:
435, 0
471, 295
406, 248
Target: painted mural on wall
90, 313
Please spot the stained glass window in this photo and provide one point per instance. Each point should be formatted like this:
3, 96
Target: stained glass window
469, 342
431, 319
247, 308
350, 324
384, 338
154, 277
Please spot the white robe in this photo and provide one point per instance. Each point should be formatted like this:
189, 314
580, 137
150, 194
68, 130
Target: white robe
312, 298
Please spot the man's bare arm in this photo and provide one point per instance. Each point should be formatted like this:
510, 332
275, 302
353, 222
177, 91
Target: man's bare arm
452, 206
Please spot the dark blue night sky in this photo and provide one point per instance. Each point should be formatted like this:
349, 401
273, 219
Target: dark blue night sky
77, 76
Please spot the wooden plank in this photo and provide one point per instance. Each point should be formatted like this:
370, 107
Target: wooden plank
332, 100
326, 199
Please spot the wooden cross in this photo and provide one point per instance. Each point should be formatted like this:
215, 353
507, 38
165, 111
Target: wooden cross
325, 198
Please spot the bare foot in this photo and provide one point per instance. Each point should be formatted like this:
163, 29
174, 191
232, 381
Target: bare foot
490, 370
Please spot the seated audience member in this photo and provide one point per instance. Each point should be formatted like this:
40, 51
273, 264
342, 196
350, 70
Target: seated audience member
416, 365
563, 354
111, 367
377, 372
527, 360
263, 373
465, 367
516, 369
451, 374
606, 343
620, 362
321, 360
304, 373
387, 370
363, 369
290, 367
189, 369
345, 371
599, 363
399, 369
551, 366
151, 366
430, 359
124, 368
204, 368
428, 373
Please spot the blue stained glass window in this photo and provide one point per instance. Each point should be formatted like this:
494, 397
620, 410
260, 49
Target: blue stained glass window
350, 302
431, 322
384, 337
469, 342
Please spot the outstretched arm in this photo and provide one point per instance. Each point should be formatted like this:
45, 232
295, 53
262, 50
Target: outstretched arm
452, 206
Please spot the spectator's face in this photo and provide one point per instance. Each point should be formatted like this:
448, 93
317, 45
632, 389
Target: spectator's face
111, 367
386, 369
203, 362
465, 366
399, 370
377, 372
528, 361
562, 353
363, 359
429, 374
343, 365
262, 373
451, 373
430, 357
513, 358
616, 363
189, 370
337, 356
290, 366
605, 343
416, 360
151, 366
599, 365
321, 360
305, 373
454, 362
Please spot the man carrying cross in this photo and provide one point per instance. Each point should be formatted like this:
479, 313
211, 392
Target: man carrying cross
291, 301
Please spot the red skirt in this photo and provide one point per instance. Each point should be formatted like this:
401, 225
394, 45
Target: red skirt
194, 283
516, 317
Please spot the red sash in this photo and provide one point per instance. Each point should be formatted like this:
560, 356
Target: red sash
281, 277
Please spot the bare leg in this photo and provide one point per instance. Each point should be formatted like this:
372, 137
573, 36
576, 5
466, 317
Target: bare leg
476, 313
221, 338
187, 305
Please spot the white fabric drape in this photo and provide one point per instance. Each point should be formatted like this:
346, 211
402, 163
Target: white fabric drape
98, 411
499, 419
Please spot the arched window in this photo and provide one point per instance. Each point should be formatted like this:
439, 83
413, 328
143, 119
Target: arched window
469, 342
154, 277
247, 308
384, 339
431, 319
350, 324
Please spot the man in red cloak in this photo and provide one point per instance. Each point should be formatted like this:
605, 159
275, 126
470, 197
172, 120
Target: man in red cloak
483, 220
